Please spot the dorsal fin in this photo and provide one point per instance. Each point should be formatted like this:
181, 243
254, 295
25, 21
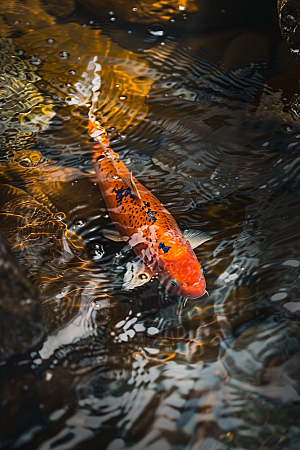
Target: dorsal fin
129, 181
196, 237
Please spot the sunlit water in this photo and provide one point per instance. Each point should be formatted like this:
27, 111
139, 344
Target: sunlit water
208, 122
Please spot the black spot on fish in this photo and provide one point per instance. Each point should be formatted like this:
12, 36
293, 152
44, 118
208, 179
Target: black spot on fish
150, 214
163, 247
123, 193
147, 204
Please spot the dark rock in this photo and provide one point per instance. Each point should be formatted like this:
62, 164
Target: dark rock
61, 10
289, 21
199, 14
21, 324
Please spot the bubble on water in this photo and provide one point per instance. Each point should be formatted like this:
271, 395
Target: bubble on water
130, 333
129, 323
38, 361
151, 351
292, 306
232, 277
25, 162
120, 324
35, 61
223, 275
48, 375
139, 327
35, 157
156, 32
291, 263
79, 222
123, 337
152, 330
97, 251
97, 306
60, 216
57, 414
279, 296
72, 72
26, 301
50, 41
64, 55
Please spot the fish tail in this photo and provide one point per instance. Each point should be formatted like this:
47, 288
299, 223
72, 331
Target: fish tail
99, 134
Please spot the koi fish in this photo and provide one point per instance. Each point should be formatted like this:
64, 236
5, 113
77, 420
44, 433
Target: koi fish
146, 225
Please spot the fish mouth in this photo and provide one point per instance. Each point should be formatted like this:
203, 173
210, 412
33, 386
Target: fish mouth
194, 292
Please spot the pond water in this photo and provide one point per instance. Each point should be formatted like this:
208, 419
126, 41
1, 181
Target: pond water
200, 102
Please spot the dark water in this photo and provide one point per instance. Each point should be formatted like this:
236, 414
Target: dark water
206, 117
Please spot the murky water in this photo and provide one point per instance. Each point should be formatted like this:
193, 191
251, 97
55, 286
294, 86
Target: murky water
204, 112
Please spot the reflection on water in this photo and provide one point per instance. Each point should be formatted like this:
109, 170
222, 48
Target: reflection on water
208, 121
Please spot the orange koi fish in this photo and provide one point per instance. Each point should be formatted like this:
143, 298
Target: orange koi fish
146, 225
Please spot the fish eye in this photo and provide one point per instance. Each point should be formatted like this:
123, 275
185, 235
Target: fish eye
100, 157
143, 276
174, 283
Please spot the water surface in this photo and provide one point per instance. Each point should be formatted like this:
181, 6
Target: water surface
207, 120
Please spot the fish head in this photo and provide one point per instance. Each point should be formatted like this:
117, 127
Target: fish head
183, 275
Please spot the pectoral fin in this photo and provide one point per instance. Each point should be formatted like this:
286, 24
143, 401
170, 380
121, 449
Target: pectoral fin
196, 237
113, 235
129, 181
137, 274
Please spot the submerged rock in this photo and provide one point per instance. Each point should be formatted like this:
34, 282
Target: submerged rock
198, 14
289, 15
21, 323
23, 111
